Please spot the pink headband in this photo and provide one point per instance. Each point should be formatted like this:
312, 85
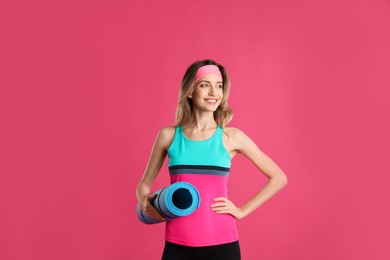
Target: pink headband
207, 69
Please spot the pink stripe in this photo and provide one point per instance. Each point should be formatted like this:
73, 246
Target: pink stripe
204, 227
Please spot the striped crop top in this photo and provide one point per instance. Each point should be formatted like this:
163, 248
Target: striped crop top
206, 165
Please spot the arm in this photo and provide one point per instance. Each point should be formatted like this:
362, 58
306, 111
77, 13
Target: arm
157, 157
241, 143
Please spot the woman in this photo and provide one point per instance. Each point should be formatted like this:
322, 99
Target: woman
200, 148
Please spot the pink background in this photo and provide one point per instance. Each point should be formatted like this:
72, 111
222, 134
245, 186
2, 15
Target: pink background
86, 85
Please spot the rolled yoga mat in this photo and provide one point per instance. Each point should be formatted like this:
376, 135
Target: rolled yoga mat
177, 200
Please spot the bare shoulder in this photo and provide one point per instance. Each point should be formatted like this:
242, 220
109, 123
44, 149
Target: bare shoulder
167, 131
165, 136
237, 139
234, 133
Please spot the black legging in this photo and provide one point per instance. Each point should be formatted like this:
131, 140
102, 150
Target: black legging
229, 251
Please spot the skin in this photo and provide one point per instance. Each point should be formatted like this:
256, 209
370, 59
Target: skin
206, 98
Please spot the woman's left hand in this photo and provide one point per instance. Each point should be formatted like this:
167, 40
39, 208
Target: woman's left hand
225, 206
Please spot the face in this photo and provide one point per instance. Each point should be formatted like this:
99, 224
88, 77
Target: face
208, 93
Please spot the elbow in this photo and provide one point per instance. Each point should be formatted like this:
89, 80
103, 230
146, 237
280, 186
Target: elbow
280, 180
284, 180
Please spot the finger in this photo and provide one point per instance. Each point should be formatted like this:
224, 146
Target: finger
220, 199
223, 211
219, 209
218, 204
157, 216
153, 212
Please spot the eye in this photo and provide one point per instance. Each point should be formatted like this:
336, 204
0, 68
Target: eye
203, 85
220, 86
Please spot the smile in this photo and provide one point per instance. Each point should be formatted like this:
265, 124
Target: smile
211, 101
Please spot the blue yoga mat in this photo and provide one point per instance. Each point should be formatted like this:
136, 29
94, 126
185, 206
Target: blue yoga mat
176, 200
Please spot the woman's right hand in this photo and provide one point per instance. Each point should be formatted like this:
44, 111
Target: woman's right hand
148, 208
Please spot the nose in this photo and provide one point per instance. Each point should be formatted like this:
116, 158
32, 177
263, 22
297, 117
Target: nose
212, 90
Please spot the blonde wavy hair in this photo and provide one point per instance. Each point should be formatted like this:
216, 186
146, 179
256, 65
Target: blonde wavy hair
184, 112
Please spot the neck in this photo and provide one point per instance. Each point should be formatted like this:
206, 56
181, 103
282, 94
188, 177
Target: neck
204, 121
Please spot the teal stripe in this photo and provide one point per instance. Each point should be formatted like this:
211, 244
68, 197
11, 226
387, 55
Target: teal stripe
211, 151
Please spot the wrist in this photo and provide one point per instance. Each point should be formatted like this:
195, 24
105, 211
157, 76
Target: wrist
242, 213
143, 198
